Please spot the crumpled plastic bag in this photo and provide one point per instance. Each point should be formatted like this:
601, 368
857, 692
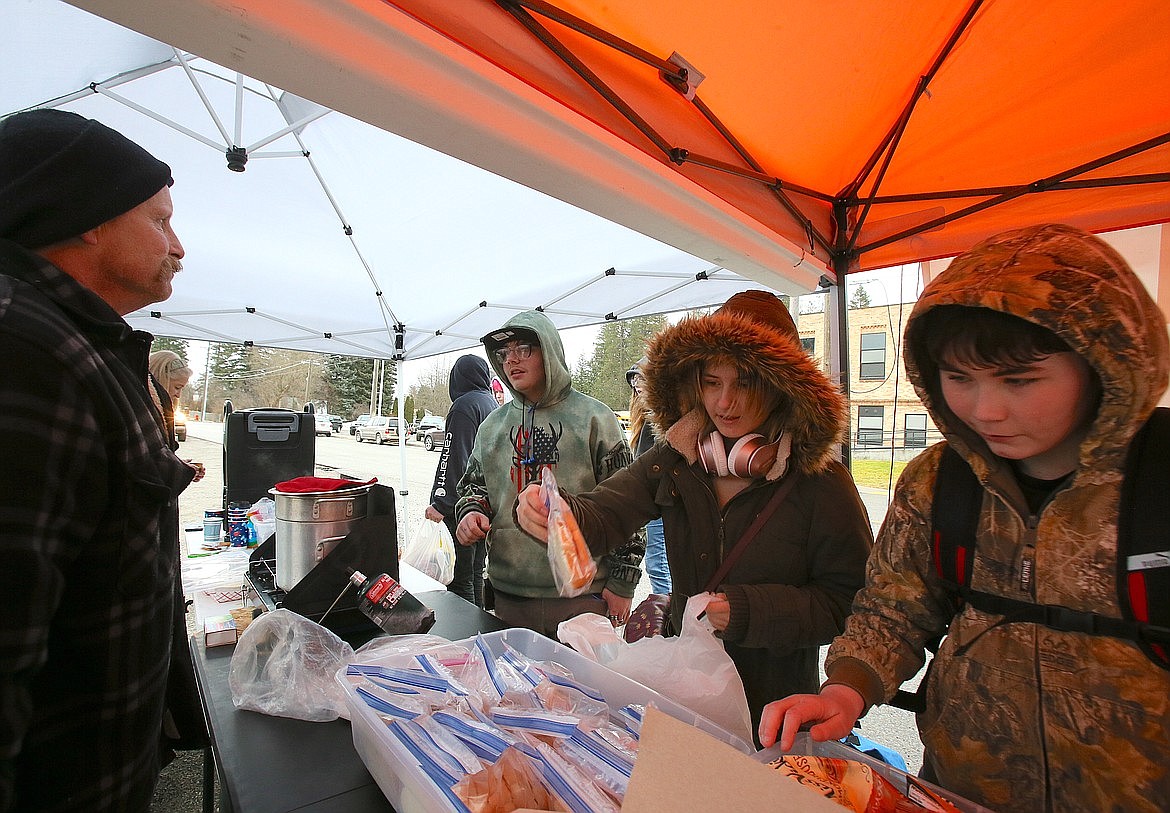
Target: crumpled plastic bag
284, 666
262, 515
692, 668
432, 551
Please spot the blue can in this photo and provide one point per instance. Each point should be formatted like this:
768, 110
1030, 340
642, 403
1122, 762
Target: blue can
238, 526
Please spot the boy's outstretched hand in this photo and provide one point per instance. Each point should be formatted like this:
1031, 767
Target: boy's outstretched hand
835, 711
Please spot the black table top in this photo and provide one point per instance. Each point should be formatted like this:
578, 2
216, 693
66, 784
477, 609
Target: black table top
275, 764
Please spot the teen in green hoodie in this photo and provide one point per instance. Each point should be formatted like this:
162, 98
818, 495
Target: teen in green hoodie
547, 423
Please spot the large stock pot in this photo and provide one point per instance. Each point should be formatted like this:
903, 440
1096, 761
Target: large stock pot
309, 524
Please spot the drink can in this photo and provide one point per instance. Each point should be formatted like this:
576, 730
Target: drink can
212, 526
237, 524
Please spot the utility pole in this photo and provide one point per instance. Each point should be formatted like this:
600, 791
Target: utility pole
206, 382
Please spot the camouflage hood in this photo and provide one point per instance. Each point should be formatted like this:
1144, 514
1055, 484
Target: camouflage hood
812, 409
1077, 286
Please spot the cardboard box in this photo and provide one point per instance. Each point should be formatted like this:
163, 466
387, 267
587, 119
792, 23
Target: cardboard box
219, 630
397, 772
680, 767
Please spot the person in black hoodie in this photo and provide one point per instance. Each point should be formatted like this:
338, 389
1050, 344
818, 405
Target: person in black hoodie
471, 402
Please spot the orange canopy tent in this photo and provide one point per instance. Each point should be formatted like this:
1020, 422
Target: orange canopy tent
779, 138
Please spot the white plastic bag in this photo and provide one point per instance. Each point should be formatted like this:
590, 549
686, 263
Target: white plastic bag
284, 665
432, 551
262, 515
692, 668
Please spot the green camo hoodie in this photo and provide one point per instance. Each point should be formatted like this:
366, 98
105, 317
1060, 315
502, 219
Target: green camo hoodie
576, 435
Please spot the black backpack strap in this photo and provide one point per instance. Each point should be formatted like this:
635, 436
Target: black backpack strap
954, 516
1143, 556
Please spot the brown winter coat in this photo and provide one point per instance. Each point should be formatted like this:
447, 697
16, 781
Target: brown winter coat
791, 590
1021, 717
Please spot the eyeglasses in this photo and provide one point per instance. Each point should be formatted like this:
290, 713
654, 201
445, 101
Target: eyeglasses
520, 351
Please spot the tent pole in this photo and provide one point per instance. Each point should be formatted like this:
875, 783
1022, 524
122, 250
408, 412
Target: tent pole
399, 357
403, 513
839, 319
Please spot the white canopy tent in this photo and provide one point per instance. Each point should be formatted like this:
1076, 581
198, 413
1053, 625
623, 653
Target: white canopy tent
337, 237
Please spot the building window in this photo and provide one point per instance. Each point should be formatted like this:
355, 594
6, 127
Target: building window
809, 345
873, 355
915, 429
870, 420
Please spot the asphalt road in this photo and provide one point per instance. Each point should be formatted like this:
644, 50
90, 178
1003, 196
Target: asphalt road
411, 473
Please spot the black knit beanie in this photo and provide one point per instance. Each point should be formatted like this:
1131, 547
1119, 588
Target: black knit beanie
62, 174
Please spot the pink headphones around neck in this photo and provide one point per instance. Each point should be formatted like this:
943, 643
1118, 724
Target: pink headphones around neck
750, 456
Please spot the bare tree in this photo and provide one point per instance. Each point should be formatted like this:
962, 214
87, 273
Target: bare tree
431, 392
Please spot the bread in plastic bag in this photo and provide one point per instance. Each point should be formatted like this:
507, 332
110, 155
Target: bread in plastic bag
432, 551
569, 557
692, 668
284, 665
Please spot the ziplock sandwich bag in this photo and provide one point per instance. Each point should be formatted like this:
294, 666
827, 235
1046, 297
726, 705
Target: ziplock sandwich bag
569, 557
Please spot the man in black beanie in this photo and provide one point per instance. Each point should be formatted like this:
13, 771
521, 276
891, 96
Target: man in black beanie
88, 483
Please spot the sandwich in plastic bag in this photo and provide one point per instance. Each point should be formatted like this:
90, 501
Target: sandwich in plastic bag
569, 557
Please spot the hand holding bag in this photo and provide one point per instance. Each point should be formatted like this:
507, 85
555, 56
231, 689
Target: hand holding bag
691, 668
652, 616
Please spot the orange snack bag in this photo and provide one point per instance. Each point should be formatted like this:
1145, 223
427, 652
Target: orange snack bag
512, 783
853, 785
569, 557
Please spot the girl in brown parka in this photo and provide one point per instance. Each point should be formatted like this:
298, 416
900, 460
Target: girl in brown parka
790, 591
1019, 716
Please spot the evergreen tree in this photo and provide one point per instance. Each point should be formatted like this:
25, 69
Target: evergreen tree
351, 380
227, 367
180, 346
859, 297
618, 346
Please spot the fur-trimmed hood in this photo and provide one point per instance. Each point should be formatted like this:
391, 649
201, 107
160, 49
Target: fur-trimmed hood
816, 417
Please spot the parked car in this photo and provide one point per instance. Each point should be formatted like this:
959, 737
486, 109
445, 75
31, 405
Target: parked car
322, 425
380, 428
362, 420
430, 432
180, 425
335, 422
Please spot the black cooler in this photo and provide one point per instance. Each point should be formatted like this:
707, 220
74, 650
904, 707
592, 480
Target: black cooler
263, 447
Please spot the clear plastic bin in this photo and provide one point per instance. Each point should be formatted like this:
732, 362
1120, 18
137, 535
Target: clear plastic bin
408, 789
804, 744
